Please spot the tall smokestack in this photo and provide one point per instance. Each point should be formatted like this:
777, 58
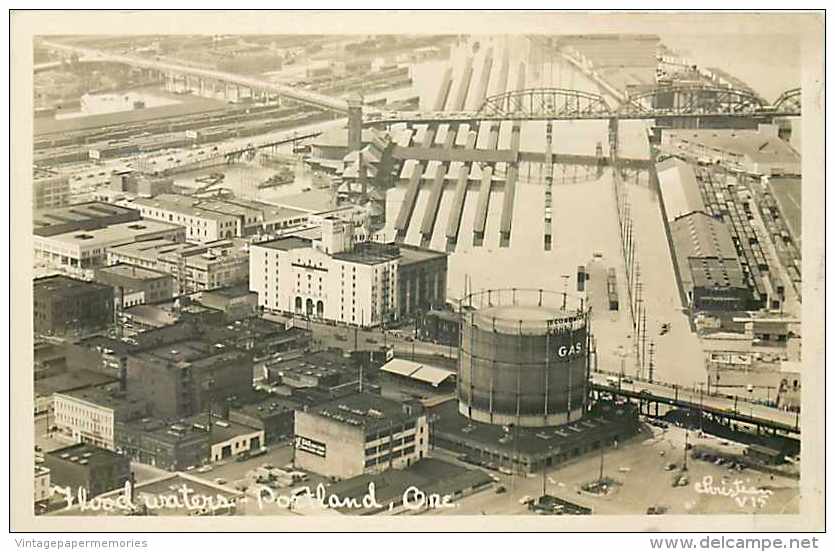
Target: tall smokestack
354, 123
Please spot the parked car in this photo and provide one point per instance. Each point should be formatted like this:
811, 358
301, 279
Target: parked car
501, 489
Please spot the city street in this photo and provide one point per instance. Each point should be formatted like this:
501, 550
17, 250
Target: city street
639, 466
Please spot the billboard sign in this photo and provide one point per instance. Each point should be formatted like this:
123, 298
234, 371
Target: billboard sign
311, 445
94, 154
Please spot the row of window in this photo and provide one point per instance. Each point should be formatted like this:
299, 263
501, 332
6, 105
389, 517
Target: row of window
389, 457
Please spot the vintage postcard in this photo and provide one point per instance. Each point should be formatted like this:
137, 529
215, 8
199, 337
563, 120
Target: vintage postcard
405, 270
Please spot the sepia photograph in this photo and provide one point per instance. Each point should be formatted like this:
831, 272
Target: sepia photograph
404, 270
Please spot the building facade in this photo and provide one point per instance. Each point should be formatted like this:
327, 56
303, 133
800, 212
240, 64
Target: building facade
360, 434
169, 446
43, 486
50, 191
85, 466
208, 220
183, 378
89, 415
134, 285
195, 267
333, 278
64, 305
80, 251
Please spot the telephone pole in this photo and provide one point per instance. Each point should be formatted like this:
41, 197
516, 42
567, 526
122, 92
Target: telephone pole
651, 361
643, 338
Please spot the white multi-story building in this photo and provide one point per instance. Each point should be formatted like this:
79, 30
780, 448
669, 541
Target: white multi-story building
88, 415
85, 250
201, 225
330, 278
359, 434
208, 220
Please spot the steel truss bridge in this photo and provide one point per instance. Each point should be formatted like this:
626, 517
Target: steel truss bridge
664, 102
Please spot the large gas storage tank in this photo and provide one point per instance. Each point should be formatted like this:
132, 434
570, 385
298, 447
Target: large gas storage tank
523, 357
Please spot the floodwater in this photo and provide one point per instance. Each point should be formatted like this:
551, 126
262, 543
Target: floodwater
770, 64
584, 222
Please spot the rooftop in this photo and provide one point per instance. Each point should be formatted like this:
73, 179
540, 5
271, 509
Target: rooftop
524, 440
697, 234
107, 398
286, 243
761, 146
370, 412
712, 272
417, 371
114, 233
268, 406
79, 212
370, 253
311, 201
149, 249
430, 475
59, 284
323, 363
197, 353
85, 454
69, 381
220, 429
248, 328
415, 254
679, 188
184, 205
125, 270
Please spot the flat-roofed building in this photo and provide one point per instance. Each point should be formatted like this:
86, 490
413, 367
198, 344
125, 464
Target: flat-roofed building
759, 151
421, 280
227, 438
50, 190
136, 285
332, 277
168, 445
201, 225
89, 415
84, 250
85, 466
195, 267
358, 434
81, 216
182, 378
711, 274
273, 414
64, 305
208, 220
324, 370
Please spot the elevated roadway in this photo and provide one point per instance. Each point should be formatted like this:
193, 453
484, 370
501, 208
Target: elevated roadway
717, 406
303, 96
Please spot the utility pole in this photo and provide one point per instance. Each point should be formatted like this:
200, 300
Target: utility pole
643, 339
651, 361
638, 333
602, 448
686, 435
565, 278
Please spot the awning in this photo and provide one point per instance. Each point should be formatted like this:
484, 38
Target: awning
416, 371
